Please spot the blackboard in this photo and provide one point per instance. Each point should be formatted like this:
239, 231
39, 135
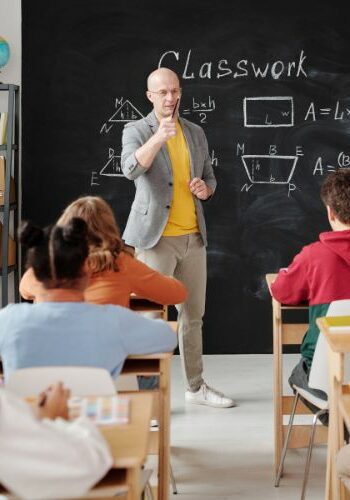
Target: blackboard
270, 84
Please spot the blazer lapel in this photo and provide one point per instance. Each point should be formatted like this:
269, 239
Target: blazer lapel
152, 121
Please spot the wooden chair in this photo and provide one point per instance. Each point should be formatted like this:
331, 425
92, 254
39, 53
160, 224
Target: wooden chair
317, 380
287, 332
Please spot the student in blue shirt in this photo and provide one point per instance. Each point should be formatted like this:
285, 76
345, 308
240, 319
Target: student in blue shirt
62, 329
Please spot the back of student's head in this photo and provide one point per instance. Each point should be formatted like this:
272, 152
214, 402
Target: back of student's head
56, 253
105, 242
335, 192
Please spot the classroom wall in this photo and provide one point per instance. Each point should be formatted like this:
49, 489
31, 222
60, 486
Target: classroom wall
10, 29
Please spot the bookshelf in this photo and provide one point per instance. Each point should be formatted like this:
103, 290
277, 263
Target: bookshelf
9, 166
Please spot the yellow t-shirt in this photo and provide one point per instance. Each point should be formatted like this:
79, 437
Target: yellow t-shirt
182, 216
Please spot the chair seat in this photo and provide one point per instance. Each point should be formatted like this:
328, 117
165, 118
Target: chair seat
322, 404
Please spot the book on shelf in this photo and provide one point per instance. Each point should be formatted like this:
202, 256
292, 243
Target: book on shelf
338, 324
2, 183
3, 127
11, 260
102, 410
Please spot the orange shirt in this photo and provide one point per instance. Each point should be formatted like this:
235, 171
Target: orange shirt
110, 287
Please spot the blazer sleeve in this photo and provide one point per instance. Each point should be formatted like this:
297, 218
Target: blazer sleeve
153, 285
131, 142
292, 285
48, 459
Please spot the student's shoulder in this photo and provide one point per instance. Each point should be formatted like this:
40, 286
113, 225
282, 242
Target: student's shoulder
127, 265
15, 308
126, 262
312, 248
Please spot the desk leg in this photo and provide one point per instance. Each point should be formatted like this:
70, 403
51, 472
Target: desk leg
277, 387
164, 430
133, 481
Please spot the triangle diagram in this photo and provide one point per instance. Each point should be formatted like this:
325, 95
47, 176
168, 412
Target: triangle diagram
112, 168
126, 113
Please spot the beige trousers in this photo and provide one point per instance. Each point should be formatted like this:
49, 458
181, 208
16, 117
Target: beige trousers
184, 257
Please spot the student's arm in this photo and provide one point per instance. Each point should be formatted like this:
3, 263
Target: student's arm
48, 459
28, 285
152, 285
291, 285
141, 335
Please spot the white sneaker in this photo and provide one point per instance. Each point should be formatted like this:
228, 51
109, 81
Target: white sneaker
209, 397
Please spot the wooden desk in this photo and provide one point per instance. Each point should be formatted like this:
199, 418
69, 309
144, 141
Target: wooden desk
287, 333
338, 346
157, 364
129, 445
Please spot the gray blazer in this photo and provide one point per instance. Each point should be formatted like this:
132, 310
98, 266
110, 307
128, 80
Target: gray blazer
154, 187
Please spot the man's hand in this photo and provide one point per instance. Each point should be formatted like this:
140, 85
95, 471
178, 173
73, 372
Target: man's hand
166, 130
52, 403
199, 188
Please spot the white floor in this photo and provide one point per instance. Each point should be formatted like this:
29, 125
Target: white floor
228, 453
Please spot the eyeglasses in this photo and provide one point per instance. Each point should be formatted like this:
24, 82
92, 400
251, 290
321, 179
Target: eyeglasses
164, 93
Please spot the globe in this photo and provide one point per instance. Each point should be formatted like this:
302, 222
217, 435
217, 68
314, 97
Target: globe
4, 52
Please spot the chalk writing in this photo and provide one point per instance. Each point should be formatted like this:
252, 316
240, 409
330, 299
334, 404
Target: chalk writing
337, 112
269, 169
214, 159
125, 112
201, 107
244, 68
94, 178
262, 112
273, 150
112, 168
322, 167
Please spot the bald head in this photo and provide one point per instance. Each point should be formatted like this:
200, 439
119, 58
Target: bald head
158, 76
164, 91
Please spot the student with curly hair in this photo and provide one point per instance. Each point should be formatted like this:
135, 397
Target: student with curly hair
114, 273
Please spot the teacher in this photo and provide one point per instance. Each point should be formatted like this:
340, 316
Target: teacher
168, 159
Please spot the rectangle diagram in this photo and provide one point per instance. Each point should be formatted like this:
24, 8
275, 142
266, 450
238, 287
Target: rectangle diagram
265, 112
269, 169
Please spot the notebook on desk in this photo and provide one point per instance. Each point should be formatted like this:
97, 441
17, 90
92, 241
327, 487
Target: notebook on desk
102, 410
338, 324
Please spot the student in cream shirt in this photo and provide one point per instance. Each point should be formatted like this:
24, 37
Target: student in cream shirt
42, 455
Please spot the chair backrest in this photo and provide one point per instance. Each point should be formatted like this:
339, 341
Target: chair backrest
319, 375
81, 380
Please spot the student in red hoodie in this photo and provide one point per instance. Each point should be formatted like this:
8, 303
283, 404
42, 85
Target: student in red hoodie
320, 273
